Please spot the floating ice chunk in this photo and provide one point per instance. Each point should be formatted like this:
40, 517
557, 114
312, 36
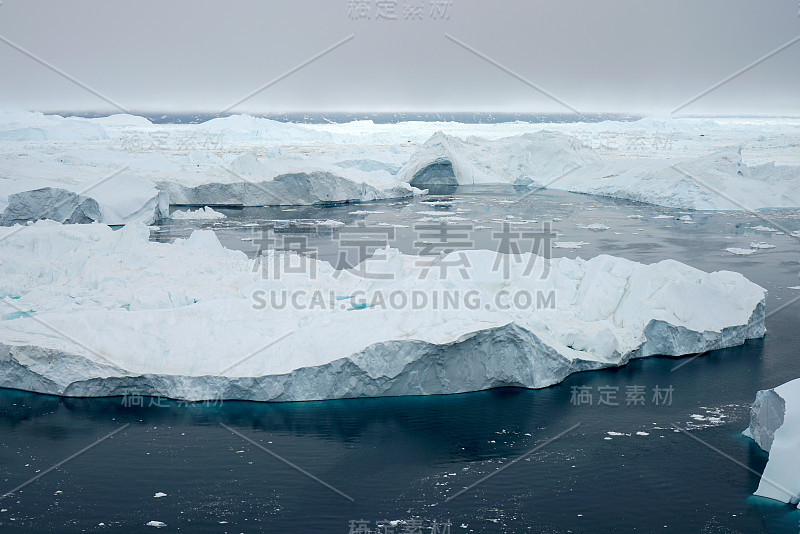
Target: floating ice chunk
761, 228
157, 524
761, 245
594, 226
740, 251
159, 494
569, 244
205, 213
330, 222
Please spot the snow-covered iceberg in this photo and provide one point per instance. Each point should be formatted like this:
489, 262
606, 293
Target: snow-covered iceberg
19, 125
116, 200
204, 213
716, 181
775, 426
521, 160
88, 311
251, 181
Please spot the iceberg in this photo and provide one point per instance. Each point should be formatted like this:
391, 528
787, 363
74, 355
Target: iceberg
717, 181
88, 311
204, 213
775, 427
115, 200
284, 182
520, 160
49, 203
720, 181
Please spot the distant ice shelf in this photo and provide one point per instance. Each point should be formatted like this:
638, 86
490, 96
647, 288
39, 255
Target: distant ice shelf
88, 311
121, 169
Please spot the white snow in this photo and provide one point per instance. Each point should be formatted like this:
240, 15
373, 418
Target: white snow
775, 426
181, 319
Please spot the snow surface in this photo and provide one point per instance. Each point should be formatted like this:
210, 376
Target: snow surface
775, 426
183, 320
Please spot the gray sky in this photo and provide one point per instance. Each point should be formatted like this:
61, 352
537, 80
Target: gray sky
610, 55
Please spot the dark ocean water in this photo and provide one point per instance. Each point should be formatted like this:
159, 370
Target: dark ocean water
400, 459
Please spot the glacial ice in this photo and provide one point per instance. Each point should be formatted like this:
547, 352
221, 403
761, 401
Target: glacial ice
702, 164
285, 182
717, 181
193, 320
204, 213
521, 160
775, 427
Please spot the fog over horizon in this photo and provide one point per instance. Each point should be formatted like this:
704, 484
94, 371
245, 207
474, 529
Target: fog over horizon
317, 56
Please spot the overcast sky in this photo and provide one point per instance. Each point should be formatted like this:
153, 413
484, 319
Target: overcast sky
591, 55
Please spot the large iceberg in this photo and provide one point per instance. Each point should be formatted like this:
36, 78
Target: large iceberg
115, 200
775, 426
717, 181
521, 160
88, 311
284, 182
